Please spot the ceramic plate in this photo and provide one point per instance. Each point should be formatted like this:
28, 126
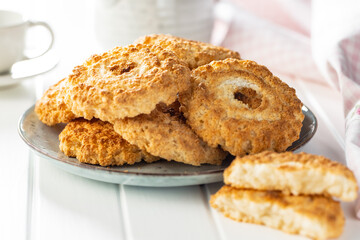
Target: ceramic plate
44, 141
26, 69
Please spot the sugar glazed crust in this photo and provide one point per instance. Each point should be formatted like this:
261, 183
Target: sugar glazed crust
317, 217
194, 53
125, 82
163, 133
300, 173
51, 108
96, 142
242, 107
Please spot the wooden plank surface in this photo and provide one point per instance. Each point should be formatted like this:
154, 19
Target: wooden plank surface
66, 206
14, 100
167, 213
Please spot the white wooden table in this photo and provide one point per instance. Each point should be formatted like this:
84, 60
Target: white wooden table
40, 201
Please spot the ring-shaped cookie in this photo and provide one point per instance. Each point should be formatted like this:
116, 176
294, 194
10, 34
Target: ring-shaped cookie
125, 82
242, 107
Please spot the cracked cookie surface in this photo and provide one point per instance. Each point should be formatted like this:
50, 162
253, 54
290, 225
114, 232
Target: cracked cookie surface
51, 107
125, 82
164, 133
194, 53
317, 217
242, 107
96, 142
300, 173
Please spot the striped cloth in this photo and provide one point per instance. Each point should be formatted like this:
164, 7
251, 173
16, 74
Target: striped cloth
321, 37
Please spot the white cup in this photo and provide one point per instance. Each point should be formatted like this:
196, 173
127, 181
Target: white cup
120, 22
13, 28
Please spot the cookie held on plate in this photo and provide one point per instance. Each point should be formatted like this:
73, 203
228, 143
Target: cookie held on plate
164, 133
125, 82
300, 173
242, 107
194, 53
316, 217
96, 142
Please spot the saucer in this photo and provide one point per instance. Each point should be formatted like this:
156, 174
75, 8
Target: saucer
27, 69
6, 80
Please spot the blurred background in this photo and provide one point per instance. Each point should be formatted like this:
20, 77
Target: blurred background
71, 20
86, 27
258, 29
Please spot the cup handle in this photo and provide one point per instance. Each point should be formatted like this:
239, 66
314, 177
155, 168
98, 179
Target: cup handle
45, 25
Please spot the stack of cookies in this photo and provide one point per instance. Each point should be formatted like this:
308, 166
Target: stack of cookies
165, 97
287, 191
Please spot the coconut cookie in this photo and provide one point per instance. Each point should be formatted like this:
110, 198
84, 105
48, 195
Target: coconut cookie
164, 133
51, 108
125, 82
317, 217
300, 173
194, 53
242, 107
96, 142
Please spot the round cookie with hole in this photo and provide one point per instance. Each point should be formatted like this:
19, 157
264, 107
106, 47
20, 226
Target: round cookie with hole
242, 107
125, 82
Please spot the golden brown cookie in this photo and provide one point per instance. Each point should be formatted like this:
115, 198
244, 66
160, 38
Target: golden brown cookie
125, 82
194, 53
242, 107
51, 108
316, 217
163, 133
96, 142
300, 173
